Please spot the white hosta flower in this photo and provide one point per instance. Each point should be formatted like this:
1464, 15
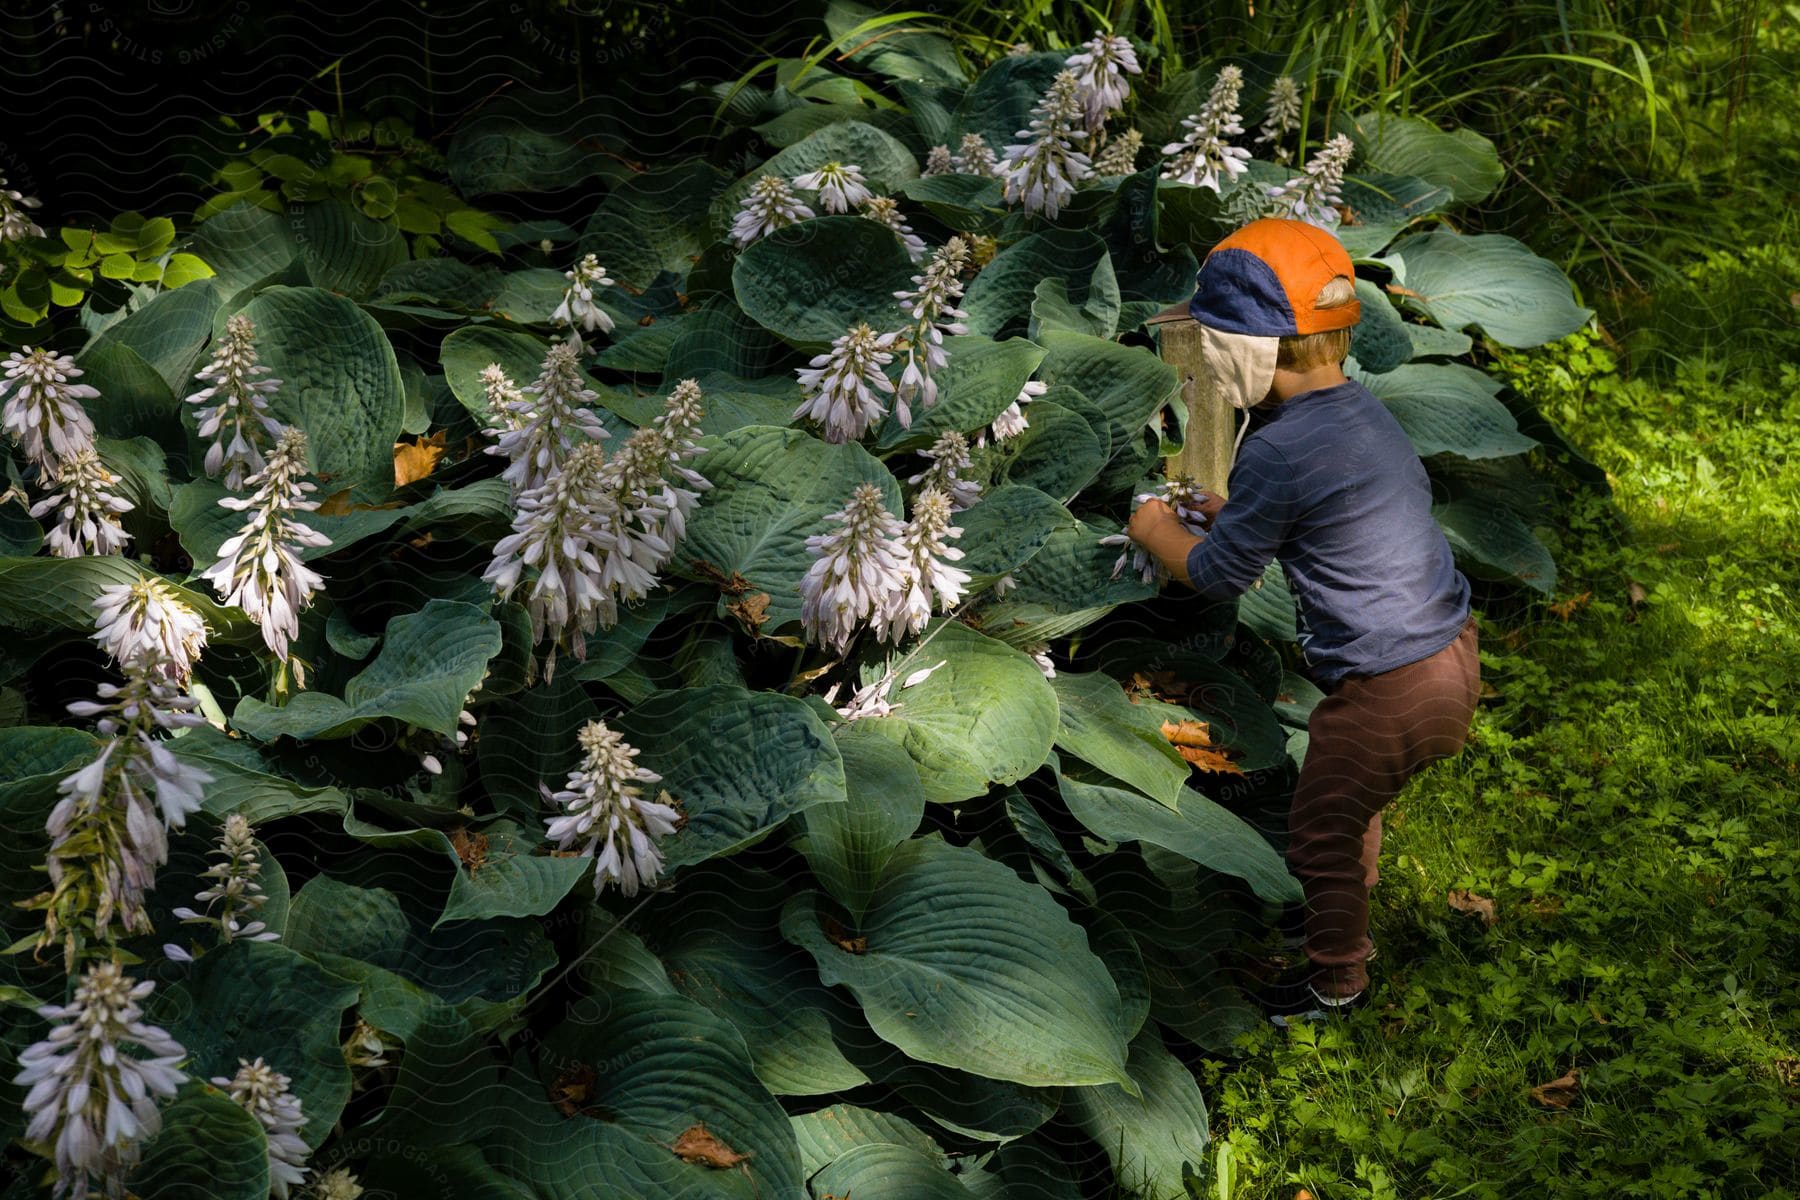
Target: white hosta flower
1040, 654
552, 419
870, 700
931, 303
234, 890
1100, 69
929, 578
1004, 584
840, 186
1312, 196
578, 307
1282, 116
771, 205
147, 622
43, 407
938, 161
1041, 171
364, 1048
606, 814
857, 567
95, 1082
87, 513
259, 568
1012, 420
1142, 564
975, 157
886, 211
1186, 499
1120, 155
15, 226
1203, 157
840, 385
561, 531
950, 465
507, 405
262, 1091
338, 1184
237, 420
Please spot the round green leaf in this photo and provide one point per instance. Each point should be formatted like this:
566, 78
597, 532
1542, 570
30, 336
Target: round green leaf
245, 245
1447, 408
1066, 586
468, 351
1493, 542
998, 104
1120, 387
1099, 723
987, 715
983, 377
1379, 341
772, 489
345, 251
959, 962
206, 1135
340, 382
654, 222
831, 1132
885, 1171
1383, 205
739, 762
1491, 281
1006, 527
1059, 452
1155, 1137
969, 202
848, 845
1460, 160
532, 741
1000, 297
812, 281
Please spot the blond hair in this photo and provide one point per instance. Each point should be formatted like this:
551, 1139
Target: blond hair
1309, 350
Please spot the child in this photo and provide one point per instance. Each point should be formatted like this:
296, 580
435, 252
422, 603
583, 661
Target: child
1327, 482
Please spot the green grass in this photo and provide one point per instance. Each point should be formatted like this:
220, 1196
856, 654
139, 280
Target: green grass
1628, 801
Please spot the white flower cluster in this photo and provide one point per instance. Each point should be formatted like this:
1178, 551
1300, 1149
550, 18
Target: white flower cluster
873, 568
238, 419
87, 513
840, 385
950, 462
841, 186
595, 532
106, 840
578, 307
262, 1091
1100, 69
926, 574
337, 1184
545, 422
931, 305
259, 568
771, 205
1120, 155
938, 161
975, 157
15, 225
1188, 500
1204, 157
43, 407
605, 812
234, 889
1282, 116
1012, 421
92, 1100
885, 210
1042, 170
1312, 195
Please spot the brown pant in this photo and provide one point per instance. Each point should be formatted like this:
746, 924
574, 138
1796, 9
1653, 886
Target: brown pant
1367, 737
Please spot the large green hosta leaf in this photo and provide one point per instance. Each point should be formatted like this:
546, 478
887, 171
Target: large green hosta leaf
662, 1065
1461, 160
1001, 296
429, 662
1006, 527
830, 1132
773, 489
960, 962
1100, 724
812, 281
1059, 453
468, 351
1491, 281
245, 245
848, 845
983, 377
246, 999
340, 382
533, 741
1447, 408
999, 103
1066, 586
1383, 205
885, 1171
653, 222
885, 163
202, 525
206, 1135
1199, 829
987, 715
168, 334
345, 251
1119, 386
1151, 1137
1379, 341
739, 762
1493, 542
44, 595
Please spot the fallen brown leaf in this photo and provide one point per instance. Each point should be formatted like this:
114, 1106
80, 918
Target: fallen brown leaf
413, 461
471, 848
573, 1089
1635, 592
752, 610
697, 1144
1465, 901
1208, 759
1187, 733
1559, 1093
1574, 604
853, 943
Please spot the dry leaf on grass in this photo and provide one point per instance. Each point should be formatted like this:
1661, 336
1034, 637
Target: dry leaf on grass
1571, 606
1558, 1093
697, 1144
1465, 901
413, 461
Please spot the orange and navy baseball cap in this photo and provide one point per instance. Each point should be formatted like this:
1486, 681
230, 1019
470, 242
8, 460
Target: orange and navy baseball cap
1263, 279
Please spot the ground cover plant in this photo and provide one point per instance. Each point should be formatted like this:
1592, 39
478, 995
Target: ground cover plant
663, 707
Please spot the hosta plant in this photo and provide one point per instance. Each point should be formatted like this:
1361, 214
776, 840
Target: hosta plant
661, 716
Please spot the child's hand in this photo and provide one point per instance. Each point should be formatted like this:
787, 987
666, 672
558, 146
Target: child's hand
1152, 517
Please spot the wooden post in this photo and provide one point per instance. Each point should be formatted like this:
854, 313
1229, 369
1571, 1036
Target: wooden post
1212, 424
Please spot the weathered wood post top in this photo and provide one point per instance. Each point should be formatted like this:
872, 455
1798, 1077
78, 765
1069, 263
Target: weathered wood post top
1205, 456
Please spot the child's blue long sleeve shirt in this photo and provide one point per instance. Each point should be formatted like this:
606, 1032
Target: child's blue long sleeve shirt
1329, 484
